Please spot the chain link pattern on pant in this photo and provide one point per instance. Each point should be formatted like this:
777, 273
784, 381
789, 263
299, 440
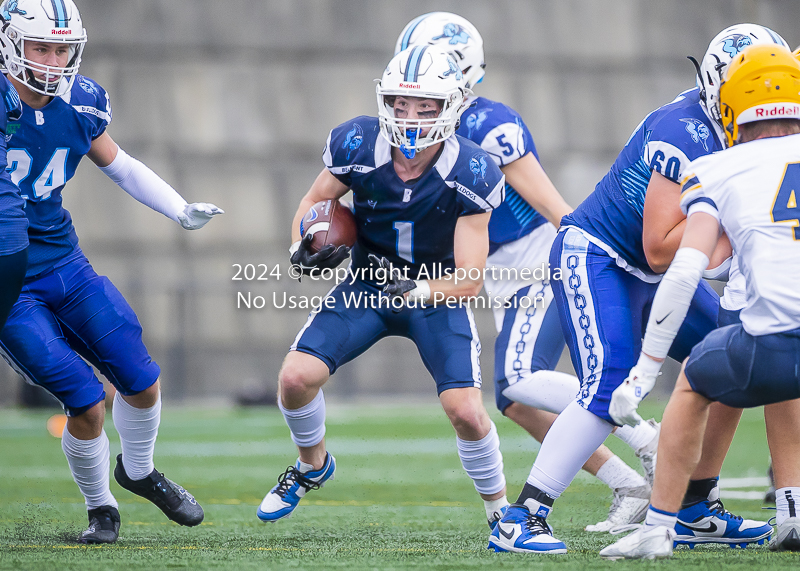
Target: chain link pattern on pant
525, 328
584, 321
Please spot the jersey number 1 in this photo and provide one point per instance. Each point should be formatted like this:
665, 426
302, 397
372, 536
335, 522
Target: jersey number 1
53, 176
784, 207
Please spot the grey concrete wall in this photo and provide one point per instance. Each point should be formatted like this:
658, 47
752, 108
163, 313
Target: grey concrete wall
231, 102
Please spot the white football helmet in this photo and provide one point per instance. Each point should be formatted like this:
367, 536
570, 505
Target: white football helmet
52, 21
721, 51
425, 72
453, 33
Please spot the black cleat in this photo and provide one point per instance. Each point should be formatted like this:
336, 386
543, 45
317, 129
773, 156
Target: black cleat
176, 503
103, 526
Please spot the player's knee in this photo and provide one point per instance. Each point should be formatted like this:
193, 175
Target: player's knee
467, 418
88, 425
296, 377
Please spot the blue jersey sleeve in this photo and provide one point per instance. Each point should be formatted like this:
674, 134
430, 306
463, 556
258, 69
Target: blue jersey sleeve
349, 148
674, 140
479, 182
498, 130
11, 102
91, 100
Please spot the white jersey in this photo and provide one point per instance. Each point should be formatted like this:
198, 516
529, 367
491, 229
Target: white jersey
753, 190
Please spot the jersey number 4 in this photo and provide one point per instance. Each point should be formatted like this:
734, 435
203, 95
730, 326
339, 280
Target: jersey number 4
784, 207
52, 177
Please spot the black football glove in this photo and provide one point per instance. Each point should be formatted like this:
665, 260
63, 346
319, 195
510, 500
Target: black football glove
327, 258
396, 284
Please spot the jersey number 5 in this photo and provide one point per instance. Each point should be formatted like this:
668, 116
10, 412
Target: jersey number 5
53, 176
784, 207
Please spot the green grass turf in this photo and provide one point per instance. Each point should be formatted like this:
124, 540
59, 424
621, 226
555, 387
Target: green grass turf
400, 499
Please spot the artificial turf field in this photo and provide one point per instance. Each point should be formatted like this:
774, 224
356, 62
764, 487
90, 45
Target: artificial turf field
400, 499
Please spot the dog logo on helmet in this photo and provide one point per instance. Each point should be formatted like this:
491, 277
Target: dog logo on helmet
453, 69
353, 140
698, 130
734, 44
12, 7
477, 165
455, 33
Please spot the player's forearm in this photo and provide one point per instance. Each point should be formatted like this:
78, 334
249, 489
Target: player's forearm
530, 181
672, 300
138, 180
458, 285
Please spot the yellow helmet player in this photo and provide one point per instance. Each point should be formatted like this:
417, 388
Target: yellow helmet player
762, 83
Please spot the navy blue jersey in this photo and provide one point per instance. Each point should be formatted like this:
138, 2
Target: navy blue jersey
665, 142
500, 131
44, 149
13, 224
413, 223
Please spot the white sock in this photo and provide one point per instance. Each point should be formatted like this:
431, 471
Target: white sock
483, 462
307, 423
787, 501
656, 517
637, 437
569, 443
493, 507
89, 463
545, 390
617, 474
137, 428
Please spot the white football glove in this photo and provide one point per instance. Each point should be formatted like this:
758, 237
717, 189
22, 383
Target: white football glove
626, 398
196, 215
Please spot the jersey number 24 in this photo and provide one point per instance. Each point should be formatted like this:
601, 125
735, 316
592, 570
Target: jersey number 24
52, 177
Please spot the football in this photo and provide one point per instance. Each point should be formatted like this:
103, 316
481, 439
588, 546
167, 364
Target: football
330, 222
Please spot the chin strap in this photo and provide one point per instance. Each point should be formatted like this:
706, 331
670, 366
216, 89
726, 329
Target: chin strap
412, 140
699, 75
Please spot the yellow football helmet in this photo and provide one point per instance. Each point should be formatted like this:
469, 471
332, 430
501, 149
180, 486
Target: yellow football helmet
762, 82
797, 53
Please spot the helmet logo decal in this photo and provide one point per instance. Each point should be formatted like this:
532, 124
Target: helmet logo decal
698, 130
456, 33
477, 164
734, 44
453, 69
353, 140
12, 7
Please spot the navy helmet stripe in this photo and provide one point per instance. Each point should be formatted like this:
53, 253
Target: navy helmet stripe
690, 183
60, 11
411, 27
776, 38
414, 61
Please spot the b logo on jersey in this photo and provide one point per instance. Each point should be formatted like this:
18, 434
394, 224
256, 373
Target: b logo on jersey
456, 34
477, 165
698, 130
353, 140
475, 120
453, 69
734, 44
12, 7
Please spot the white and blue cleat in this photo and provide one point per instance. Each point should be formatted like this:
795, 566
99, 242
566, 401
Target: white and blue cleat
710, 522
520, 531
292, 486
